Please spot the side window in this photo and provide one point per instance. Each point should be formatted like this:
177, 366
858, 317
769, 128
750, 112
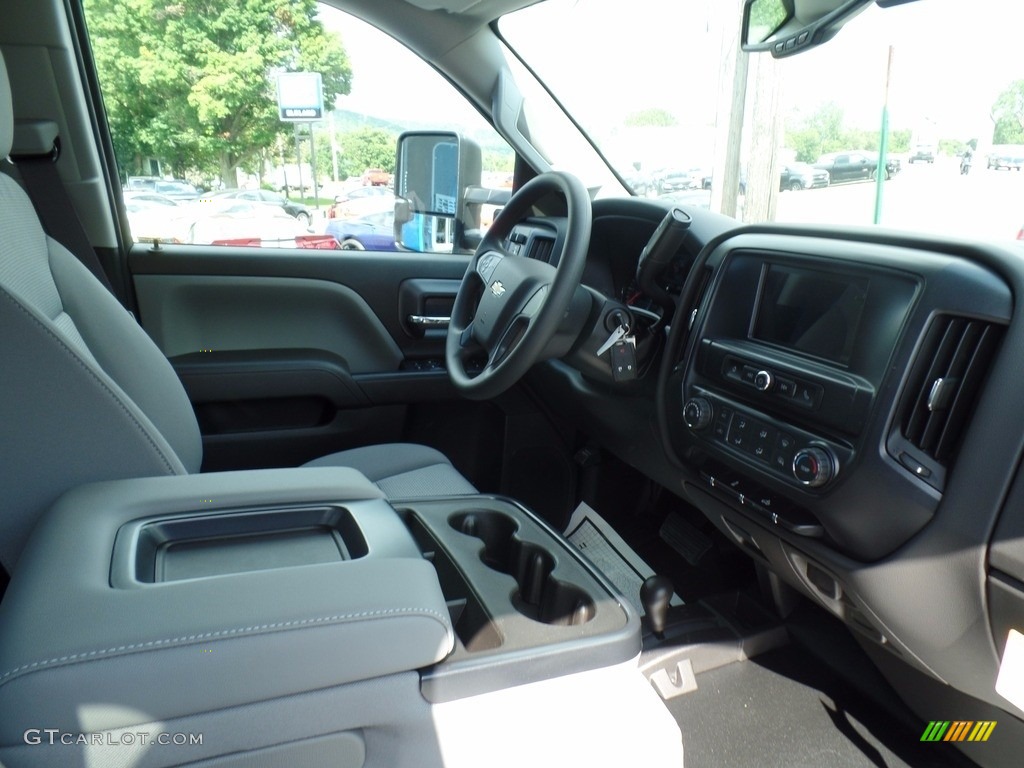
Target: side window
233, 136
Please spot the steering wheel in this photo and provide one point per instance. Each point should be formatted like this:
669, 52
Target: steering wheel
509, 307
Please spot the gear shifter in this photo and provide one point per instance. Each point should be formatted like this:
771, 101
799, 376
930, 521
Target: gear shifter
655, 595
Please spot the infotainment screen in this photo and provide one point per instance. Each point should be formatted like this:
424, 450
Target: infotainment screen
808, 311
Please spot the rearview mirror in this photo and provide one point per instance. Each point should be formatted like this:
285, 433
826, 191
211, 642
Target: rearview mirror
785, 27
433, 170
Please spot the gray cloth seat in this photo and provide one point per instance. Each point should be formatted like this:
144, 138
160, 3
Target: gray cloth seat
85, 394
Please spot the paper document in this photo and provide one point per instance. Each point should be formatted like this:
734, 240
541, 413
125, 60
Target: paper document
591, 535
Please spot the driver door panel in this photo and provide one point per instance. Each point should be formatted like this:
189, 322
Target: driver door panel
287, 356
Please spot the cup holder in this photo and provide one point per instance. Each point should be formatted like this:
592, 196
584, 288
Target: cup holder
538, 595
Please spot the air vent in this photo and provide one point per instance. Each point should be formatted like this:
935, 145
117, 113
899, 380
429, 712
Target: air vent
540, 249
950, 368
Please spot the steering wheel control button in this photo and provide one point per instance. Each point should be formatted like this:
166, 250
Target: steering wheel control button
697, 413
814, 466
763, 381
487, 264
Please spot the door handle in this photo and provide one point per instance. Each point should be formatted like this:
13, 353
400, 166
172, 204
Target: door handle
426, 321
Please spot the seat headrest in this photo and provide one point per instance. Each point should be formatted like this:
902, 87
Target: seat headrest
6, 112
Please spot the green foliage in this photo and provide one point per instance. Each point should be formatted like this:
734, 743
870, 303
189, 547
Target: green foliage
368, 148
495, 161
193, 82
651, 118
766, 16
1008, 115
951, 147
823, 131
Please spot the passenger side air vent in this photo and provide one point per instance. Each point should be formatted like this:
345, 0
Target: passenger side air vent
949, 370
540, 249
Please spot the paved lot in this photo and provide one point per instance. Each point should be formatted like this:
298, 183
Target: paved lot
932, 198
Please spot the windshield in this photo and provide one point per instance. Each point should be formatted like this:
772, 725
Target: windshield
679, 113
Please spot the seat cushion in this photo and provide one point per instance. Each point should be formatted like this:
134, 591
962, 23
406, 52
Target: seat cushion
402, 470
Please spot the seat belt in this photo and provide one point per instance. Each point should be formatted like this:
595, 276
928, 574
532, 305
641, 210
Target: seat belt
35, 152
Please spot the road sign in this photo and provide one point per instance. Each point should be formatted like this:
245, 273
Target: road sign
300, 96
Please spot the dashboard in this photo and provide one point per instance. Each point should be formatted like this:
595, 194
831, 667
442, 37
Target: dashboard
841, 405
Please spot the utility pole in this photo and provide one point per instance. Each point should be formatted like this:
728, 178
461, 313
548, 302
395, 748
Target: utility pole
334, 146
766, 134
732, 99
298, 160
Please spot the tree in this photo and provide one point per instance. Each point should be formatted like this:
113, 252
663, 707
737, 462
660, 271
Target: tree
818, 133
368, 148
194, 83
651, 118
1008, 115
823, 131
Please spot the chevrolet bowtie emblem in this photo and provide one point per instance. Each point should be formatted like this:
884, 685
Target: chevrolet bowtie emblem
497, 288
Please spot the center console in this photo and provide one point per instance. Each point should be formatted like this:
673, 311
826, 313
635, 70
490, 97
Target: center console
793, 353
232, 602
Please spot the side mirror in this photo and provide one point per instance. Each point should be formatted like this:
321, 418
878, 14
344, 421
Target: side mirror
785, 27
432, 173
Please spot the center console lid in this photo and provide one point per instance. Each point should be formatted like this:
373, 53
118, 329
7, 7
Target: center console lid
155, 598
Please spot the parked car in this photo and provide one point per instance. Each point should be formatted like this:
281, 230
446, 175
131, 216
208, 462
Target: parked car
358, 201
153, 216
797, 176
298, 211
1008, 156
373, 232
219, 222
675, 181
854, 166
707, 179
173, 188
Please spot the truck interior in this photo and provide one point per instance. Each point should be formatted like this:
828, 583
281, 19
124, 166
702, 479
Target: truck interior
610, 479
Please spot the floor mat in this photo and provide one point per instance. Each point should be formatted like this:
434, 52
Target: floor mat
785, 710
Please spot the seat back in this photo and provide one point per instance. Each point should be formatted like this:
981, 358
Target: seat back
85, 394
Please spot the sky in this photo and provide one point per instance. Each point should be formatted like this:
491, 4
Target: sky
951, 60
375, 58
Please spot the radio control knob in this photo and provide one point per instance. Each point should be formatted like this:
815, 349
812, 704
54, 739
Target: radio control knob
697, 413
763, 381
814, 466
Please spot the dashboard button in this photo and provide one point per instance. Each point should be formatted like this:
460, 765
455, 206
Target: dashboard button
785, 387
763, 381
807, 395
739, 431
732, 369
914, 465
722, 423
785, 447
763, 444
750, 373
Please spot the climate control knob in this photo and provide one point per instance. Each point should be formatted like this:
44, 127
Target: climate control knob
814, 466
697, 413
